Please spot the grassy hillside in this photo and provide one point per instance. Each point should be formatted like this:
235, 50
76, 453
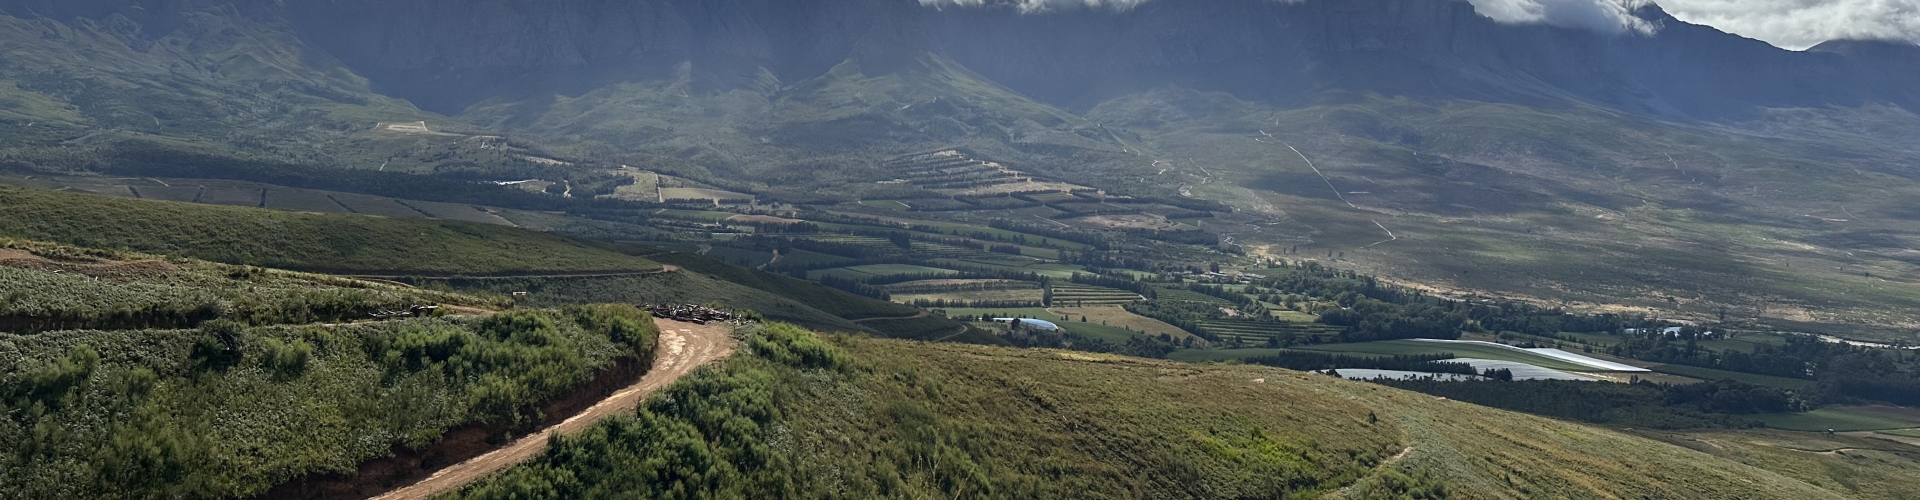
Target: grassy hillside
296, 240
1856, 465
228, 412
675, 288
849, 417
49, 287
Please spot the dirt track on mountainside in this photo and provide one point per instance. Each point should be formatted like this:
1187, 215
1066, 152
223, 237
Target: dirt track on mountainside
683, 347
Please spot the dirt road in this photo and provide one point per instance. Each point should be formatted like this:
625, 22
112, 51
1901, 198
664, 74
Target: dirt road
683, 347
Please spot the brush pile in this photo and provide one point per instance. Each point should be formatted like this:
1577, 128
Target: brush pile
411, 312
689, 313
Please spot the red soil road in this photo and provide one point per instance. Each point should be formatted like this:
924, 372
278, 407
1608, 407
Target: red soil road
683, 347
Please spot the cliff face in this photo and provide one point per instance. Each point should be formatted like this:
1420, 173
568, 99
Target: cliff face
446, 54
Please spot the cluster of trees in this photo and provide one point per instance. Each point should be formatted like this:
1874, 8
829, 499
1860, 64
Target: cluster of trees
1643, 404
1842, 372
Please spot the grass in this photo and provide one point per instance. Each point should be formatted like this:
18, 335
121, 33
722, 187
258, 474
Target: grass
1751, 378
1868, 468
1212, 355
47, 287
303, 241
1843, 419
1408, 347
1051, 424
701, 194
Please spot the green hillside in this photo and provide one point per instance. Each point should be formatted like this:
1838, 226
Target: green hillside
911, 420
146, 407
295, 240
46, 287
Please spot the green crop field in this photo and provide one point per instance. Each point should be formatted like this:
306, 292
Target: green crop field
1844, 419
1912, 433
1751, 378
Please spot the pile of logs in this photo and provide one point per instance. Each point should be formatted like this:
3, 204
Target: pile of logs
411, 312
689, 313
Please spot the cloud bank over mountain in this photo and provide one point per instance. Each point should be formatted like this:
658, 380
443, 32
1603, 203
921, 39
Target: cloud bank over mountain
1606, 16
1792, 24
1798, 24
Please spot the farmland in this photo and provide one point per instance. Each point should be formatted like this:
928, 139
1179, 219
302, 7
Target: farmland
1119, 317
1751, 378
1250, 332
1075, 295
1846, 419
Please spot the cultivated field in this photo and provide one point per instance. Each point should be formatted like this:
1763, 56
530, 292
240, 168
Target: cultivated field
1117, 316
1846, 419
715, 195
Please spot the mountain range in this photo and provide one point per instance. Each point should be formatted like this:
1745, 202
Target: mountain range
1675, 168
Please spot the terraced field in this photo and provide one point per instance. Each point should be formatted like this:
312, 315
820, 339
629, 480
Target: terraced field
1256, 332
1178, 295
1075, 295
953, 171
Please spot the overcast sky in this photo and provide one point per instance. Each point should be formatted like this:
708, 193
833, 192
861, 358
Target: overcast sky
1792, 24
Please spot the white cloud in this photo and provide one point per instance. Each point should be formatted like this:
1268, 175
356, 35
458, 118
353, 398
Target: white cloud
1792, 24
1798, 24
1605, 16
